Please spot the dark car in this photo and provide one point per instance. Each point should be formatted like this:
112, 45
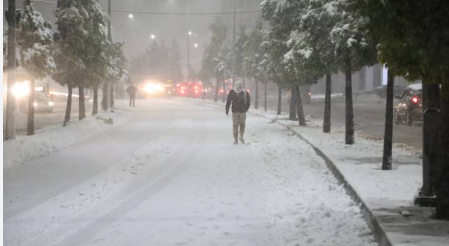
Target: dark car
381, 91
409, 107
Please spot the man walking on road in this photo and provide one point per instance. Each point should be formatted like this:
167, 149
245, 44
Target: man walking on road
240, 100
131, 90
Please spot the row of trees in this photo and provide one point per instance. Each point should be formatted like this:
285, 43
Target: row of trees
77, 55
298, 42
316, 38
245, 60
158, 62
84, 55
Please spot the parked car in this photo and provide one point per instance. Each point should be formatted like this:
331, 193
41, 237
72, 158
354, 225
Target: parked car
381, 91
409, 107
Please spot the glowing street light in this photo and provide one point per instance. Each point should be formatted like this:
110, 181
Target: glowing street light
153, 36
131, 16
190, 33
195, 45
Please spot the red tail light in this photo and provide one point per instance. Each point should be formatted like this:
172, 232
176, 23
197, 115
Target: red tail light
415, 99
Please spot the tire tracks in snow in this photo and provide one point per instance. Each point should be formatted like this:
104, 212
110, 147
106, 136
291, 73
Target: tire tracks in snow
87, 224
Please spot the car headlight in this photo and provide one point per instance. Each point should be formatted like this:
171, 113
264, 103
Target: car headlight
21, 89
50, 103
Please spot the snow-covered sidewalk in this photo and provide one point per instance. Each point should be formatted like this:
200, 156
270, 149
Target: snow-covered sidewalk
385, 194
170, 175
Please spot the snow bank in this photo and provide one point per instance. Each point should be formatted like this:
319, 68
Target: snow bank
54, 138
385, 193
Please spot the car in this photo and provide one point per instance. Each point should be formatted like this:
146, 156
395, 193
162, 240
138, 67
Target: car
409, 107
151, 88
42, 104
381, 91
189, 89
306, 94
170, 88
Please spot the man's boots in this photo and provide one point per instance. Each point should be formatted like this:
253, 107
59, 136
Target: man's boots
242, 140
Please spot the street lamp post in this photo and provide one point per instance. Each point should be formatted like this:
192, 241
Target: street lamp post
233, 50
10, 98
188, 62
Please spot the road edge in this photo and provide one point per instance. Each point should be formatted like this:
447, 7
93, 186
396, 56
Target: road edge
379, 234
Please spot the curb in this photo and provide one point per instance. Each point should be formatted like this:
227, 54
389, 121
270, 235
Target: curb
379, 234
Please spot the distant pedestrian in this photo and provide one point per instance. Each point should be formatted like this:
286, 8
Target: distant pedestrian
132, 90
240, 100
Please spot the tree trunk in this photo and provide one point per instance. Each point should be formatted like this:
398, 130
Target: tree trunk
292, 115
299, 108
327, 105
30, 123
11, 100
388, 134
430, 99
223, 98
265, 96
217, 87
104, 99
95, 102
442, 185
349, 138
204, 90
112, 95
244, 82
279, 101
69, 107
256, 95
81, 103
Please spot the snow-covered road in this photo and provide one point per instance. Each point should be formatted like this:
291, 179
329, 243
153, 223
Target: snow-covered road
170, 175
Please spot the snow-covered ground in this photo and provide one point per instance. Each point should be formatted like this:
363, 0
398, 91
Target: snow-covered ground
169, 175
54, 138
385, 193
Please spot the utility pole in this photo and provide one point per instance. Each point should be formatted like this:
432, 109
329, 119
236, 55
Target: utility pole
189, 33
233, 51
10, 98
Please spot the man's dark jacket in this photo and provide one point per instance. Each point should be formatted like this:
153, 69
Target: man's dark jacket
239, 105
132, 89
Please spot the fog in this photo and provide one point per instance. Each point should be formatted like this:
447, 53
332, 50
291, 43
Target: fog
166, 19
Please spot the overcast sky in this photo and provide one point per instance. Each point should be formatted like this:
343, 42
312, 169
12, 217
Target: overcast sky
136, 32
